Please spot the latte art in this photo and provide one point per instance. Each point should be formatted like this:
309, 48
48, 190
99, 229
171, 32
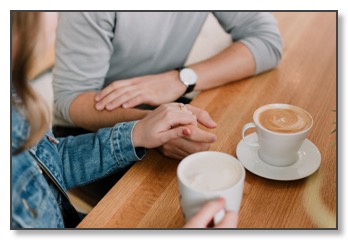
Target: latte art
285, 120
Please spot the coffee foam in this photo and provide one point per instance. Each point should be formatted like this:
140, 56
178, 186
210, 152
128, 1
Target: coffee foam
211, 174
284, 120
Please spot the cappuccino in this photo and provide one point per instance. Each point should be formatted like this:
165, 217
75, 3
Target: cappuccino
281, 130
285, 120
207, 174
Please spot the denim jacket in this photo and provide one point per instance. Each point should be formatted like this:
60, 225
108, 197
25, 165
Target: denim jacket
68, 162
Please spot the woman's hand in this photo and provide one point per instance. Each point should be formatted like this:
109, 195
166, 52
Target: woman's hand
166, 122
204, 217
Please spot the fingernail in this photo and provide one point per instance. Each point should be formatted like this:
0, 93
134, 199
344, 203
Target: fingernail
108, 106
186, 132
98, 106
214, 138
125, 105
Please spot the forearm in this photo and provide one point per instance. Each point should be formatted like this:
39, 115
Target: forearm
83, 113
107, 150
234, 63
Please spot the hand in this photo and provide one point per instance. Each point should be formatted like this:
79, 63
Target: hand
167, 122
151, 89
197, 141
204, 217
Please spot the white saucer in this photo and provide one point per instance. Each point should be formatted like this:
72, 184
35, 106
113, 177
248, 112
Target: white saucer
308, 162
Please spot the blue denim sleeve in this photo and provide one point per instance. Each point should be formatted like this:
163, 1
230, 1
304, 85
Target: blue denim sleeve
88, 157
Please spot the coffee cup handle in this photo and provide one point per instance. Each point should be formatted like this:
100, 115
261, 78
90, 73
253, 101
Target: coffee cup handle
246, 127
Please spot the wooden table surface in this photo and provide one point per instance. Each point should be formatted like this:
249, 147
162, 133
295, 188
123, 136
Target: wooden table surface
147, 196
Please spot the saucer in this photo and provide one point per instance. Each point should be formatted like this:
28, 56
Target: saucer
308, 162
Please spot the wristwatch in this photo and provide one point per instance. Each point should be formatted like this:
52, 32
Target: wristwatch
188, 77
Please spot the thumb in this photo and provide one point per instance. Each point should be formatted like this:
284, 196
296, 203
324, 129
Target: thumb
175, 133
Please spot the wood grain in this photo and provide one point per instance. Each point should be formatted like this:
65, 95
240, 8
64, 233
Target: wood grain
147, 196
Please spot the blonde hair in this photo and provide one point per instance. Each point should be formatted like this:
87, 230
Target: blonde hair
25, 31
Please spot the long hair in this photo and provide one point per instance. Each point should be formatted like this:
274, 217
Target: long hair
25, 33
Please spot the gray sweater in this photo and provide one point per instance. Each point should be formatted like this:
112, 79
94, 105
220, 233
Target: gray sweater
94, 49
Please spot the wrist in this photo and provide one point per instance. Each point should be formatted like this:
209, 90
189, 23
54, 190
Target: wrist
178, 85
136, 138
139, 151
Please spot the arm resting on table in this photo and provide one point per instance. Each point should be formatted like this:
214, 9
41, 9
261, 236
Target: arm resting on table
83, 113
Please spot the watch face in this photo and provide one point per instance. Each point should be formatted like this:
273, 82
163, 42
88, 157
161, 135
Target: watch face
188, 76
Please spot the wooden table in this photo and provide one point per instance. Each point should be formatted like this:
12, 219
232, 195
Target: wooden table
147, 196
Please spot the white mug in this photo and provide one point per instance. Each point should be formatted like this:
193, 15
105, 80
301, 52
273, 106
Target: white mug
209, 175
281, 131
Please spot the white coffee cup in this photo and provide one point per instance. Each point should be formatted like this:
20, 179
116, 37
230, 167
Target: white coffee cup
209, 175
281, 130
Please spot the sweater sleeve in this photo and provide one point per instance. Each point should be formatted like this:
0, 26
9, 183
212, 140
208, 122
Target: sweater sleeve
259, 32
82, 55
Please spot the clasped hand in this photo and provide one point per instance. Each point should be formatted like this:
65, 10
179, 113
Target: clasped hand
155, 90
172, 122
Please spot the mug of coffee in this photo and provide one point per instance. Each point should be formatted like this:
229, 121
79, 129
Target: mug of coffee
209, 175
281, 130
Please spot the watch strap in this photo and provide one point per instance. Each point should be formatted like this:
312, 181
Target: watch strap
189, 88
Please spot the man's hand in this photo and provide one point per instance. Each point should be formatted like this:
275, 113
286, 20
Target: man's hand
151, 89
197, 141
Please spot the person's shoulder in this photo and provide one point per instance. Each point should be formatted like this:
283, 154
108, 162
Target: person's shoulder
19, 128
92, 15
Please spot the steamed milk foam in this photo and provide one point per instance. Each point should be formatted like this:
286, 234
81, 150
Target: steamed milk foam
211, 174
285, 120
